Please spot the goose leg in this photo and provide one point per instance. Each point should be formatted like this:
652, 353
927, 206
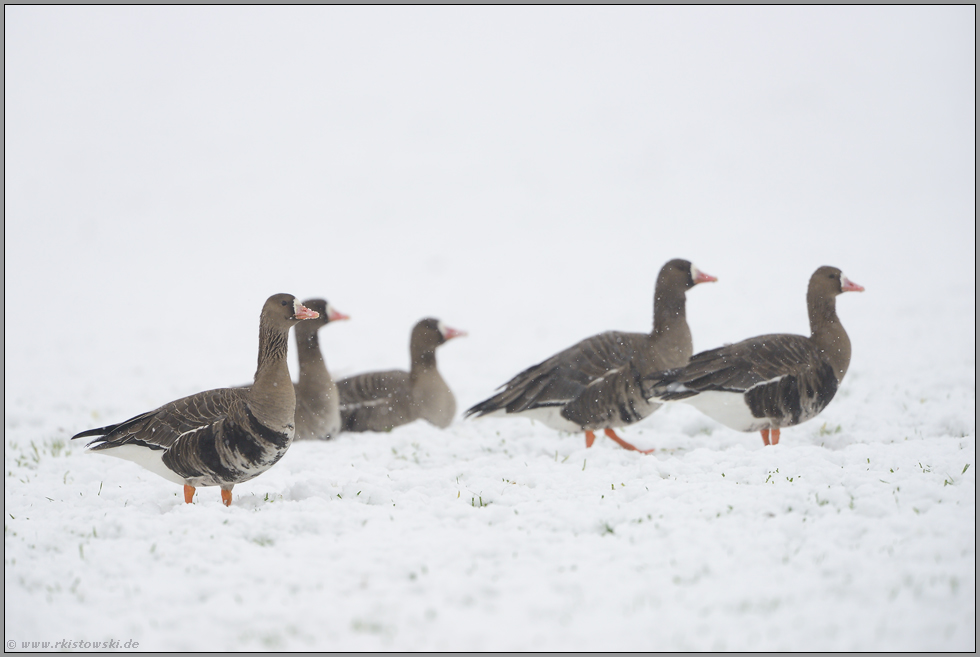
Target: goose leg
188, 494
589, 438
765, 436
226, 496
775, 436
612, 434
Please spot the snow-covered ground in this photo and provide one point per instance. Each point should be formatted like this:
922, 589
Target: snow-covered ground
521, 173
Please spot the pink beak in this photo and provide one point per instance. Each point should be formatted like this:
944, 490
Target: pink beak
704, 278
847, 285
454, 333
335, 315
302, 312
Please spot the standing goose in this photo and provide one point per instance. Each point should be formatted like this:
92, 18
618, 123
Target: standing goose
770, 381
218, 437
381, 401
317, 399
595, 384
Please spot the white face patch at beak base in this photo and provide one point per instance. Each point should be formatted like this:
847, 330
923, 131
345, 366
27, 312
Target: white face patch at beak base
334, 315
448, 333
699, 276
847, 285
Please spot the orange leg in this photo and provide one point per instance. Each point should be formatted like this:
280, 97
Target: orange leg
589, 438
188, 494
226, 497
623, 443
775, 436
765, 436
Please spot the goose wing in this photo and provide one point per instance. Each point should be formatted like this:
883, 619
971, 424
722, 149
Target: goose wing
784, 377
562, 378
161, 428
613, 399
375, 401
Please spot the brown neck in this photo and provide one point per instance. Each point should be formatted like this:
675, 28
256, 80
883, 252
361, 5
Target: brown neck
271, 397
312, 368
670, 328
827, 332
423, 360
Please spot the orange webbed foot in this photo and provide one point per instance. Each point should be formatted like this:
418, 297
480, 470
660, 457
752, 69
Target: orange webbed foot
188, 494
765, 436
612, 435
226, 497
774, 437
589, 438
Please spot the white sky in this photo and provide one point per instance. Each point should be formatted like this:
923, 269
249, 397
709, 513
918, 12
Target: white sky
398, 160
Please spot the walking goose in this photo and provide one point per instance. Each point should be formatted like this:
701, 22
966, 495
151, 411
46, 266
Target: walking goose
381, 401
770, 381
218, 437
595, 384
317, 399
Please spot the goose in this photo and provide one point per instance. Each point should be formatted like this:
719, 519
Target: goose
770, 381
381, 401
218, 437
317, 399
595, 383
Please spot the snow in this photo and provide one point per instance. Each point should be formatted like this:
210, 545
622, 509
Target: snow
522, 174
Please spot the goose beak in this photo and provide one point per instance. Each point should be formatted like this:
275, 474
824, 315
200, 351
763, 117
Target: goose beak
450, 333
702, 277
847, 285
334, 315
302, 312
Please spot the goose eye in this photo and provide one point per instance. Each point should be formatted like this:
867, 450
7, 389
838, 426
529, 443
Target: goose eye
285, 303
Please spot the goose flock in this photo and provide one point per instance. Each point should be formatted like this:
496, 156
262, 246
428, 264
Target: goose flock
228, 436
